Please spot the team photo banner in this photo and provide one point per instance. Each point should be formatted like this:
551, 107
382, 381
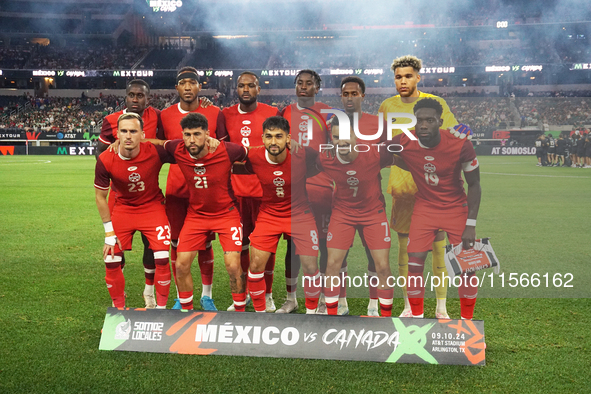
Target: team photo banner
392, 340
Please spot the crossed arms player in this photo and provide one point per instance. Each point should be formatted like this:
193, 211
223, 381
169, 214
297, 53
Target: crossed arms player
284, 211
133, 171
436, 162
212, 205
401, 185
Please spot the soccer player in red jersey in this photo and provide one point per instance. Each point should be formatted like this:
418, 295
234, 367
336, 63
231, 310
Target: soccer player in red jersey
284, 210
358, 204
436, 162
177, 190
369, 130
244, 122
136, 101
308, 128
139, 206
212, 205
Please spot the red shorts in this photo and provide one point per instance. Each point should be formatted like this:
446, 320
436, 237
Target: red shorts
301, 228
426, 223
152, 223
198, 228
373, 229
321, 203
176, 210
249, 210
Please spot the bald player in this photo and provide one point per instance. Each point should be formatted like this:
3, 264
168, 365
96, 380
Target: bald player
401, 185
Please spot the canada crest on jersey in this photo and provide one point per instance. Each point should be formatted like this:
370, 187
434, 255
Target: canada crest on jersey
245, 131
353, 181
200, 170
429, 168
278, 182
134, 177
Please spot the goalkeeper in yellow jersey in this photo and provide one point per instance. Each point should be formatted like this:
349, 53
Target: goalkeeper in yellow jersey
401, 185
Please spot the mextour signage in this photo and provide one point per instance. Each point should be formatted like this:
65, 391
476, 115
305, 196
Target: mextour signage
393, 340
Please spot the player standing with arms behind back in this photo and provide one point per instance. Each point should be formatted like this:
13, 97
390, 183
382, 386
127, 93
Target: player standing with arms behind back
401, 185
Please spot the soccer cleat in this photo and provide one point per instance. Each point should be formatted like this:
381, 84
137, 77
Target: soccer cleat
441, 315
310, 311
372, 312
321, 310
288, 307
270, 305
150, 301
343, 310
207, 304
406, 313
177, 304
231, 308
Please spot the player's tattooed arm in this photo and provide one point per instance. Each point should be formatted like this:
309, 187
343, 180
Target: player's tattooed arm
474, 195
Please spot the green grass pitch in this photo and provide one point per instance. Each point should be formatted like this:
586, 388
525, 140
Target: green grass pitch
53, 297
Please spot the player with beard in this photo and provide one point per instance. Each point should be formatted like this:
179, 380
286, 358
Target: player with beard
436, 162
401, 185
308, 128
177, 190
284, 211
132, 171
136, 101
212, 205
244, 122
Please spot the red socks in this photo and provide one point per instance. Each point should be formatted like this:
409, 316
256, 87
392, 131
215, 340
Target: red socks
312, 288
162, 278
415, 288
256, 287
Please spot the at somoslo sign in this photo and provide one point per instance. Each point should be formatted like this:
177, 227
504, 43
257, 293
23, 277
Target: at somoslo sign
295, 336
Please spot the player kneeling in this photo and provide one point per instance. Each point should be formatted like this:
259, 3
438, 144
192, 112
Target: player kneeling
139, 206
284, 210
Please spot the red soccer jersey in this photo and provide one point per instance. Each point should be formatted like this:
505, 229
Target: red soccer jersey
135, 181
437, 171
171, 124
246, 128
369, 126
152, 127
284, 184
209, 177
358, 183
298, 119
